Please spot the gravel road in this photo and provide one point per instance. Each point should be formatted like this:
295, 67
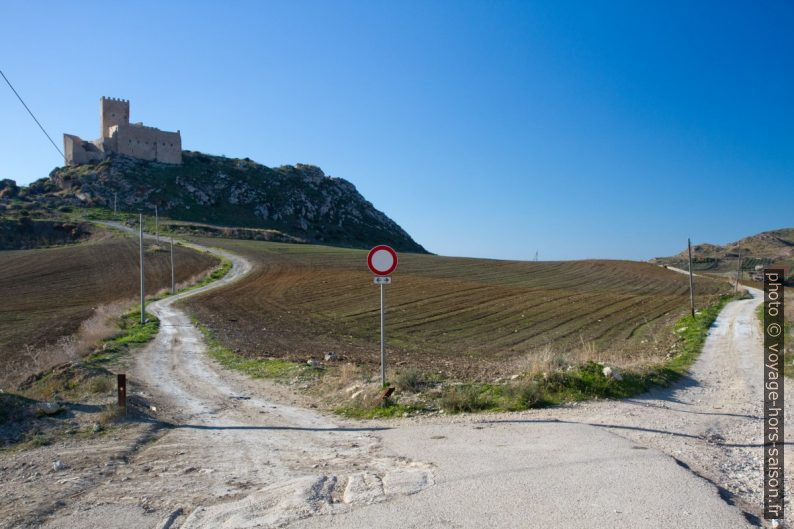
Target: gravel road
240, 456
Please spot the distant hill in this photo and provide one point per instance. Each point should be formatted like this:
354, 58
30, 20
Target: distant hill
299, 201
766, 248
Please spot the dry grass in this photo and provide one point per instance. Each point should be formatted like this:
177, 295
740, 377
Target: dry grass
339, 384
111, 413
411, 380
100, 385
352, 388
101, 325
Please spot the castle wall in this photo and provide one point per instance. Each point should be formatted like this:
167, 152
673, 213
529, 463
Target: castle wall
78, 151
147, 143
112, 112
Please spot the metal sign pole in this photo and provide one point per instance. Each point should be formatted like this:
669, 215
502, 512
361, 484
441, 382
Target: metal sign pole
382, 348
382, 261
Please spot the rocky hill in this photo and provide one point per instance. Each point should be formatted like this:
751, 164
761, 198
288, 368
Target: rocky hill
299, 201
766, 248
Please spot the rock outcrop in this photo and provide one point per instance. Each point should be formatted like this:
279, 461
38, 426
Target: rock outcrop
300, 200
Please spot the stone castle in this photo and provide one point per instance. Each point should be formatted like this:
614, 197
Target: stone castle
119, 136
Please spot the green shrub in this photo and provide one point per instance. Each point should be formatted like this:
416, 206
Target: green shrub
522, 395
457, 399
100, 384
410, 380
40, 439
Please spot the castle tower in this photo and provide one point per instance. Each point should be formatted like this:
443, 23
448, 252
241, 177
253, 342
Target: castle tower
112, 112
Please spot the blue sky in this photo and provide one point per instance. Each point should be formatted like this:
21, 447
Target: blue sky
488, 129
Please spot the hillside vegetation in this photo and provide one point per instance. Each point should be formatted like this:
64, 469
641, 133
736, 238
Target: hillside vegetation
299, 201
762, 249
48, 293
467, 318
24, 233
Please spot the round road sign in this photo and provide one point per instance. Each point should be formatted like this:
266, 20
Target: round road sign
382, 260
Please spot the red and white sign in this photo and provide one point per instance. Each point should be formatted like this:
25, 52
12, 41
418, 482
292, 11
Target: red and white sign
382, 260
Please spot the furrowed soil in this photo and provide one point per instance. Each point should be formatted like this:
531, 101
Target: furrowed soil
48, 293
469, 318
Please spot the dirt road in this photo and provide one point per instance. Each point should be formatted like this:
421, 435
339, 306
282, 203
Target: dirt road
236, 458
712, 421
228, 443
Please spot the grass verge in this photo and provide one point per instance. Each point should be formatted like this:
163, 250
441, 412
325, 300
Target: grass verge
217, 273
272, 368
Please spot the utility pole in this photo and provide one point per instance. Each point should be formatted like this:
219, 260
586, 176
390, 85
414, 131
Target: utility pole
738, 271
173, 282
143, 298
115, 202
156, 226
691, 283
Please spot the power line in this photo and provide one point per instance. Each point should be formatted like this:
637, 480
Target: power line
31, 115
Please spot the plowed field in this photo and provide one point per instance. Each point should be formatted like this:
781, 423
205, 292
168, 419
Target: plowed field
48, 293
474, 318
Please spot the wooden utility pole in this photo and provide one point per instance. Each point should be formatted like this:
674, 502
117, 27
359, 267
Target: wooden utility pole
738, 272
173, 282
156, 226
691, 282
115, 202
143, 295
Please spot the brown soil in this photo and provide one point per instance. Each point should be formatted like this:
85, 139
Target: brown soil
48, 293
471, 318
